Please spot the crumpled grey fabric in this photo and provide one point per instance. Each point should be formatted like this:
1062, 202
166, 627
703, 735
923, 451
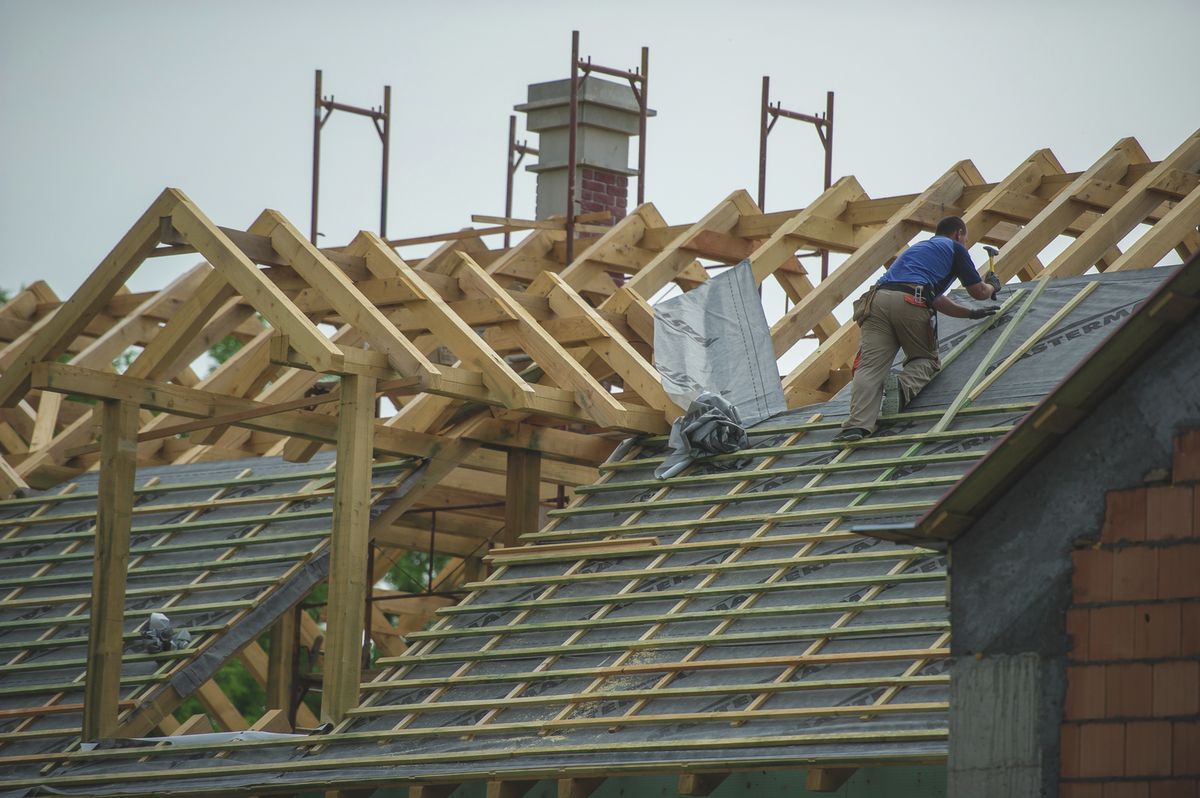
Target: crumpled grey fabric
710, 426
158, 635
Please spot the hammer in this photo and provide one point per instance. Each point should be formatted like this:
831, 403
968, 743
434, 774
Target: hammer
991, 277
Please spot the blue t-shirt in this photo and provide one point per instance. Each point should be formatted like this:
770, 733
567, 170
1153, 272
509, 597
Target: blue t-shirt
933, 263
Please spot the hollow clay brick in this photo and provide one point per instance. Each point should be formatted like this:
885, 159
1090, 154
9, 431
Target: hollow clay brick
1124, 515
1127, 691
1169, 512
1101, 750
1176, 688
1110, 633
1135, 573
1086, 693
1092, 580
1148, 748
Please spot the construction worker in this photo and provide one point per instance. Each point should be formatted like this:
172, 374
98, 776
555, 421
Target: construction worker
900, 312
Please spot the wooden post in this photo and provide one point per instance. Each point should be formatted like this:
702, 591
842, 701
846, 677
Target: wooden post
281, 662
700, 783
524, 470
114, 517
348, 553
827, 779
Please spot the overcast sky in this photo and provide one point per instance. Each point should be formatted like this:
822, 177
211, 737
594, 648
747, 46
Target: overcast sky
102, 104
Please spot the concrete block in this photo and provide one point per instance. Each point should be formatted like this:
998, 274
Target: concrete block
995, 704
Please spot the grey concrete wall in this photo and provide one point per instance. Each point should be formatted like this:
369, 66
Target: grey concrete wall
998, 751
1010, 573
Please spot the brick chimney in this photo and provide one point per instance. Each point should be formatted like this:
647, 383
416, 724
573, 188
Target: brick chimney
608, 119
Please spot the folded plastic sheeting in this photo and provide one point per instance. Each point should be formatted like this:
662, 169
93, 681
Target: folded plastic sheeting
711, 426
185, 740
712, 347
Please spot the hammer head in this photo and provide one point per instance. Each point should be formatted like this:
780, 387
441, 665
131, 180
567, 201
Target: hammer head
991, 251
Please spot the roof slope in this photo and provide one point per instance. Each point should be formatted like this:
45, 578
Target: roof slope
222, 549
725, 617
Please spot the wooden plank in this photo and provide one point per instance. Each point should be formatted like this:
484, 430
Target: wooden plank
674, 258
52, 338
546, 352
252, 284
803, 384
196, 724
114, 519
405, 536
588, 274
280, 685
449, 454
218, 705
1125, 214
701, 783
585, 548
882, 245
46, 421
155, 362
1025, 179
451, 330
11, 483
1063, 209
1174, 227
431, 790
827, 779
353, 306
349, 543
782, 244
612, 347
175, 399
522, 503
578, 787
509, 788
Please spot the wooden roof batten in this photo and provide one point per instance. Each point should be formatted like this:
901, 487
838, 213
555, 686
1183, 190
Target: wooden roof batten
584, 332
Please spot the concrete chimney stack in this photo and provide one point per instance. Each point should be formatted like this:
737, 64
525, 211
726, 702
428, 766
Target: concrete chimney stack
608, 119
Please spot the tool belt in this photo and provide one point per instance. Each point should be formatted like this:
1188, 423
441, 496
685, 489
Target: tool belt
919, 295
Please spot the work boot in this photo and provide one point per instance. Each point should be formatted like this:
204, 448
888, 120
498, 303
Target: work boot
893, 396
851, 434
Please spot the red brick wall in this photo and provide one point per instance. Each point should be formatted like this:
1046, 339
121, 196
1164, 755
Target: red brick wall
603, 191
1132, 715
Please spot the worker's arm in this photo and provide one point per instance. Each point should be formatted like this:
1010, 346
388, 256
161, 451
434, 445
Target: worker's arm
980, 291
944, 304
964, 270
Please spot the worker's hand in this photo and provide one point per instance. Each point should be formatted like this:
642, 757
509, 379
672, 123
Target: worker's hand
993, 280
982, 313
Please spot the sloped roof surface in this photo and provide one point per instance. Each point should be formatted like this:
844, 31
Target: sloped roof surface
725, 617
221, 549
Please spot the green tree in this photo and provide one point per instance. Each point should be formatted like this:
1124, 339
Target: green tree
223, 350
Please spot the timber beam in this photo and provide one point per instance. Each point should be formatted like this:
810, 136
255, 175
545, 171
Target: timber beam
572, 448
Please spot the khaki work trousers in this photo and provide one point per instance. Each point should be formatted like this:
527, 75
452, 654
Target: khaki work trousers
892, 324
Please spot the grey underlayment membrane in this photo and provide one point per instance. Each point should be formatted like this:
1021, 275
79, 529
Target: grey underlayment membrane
729, 619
